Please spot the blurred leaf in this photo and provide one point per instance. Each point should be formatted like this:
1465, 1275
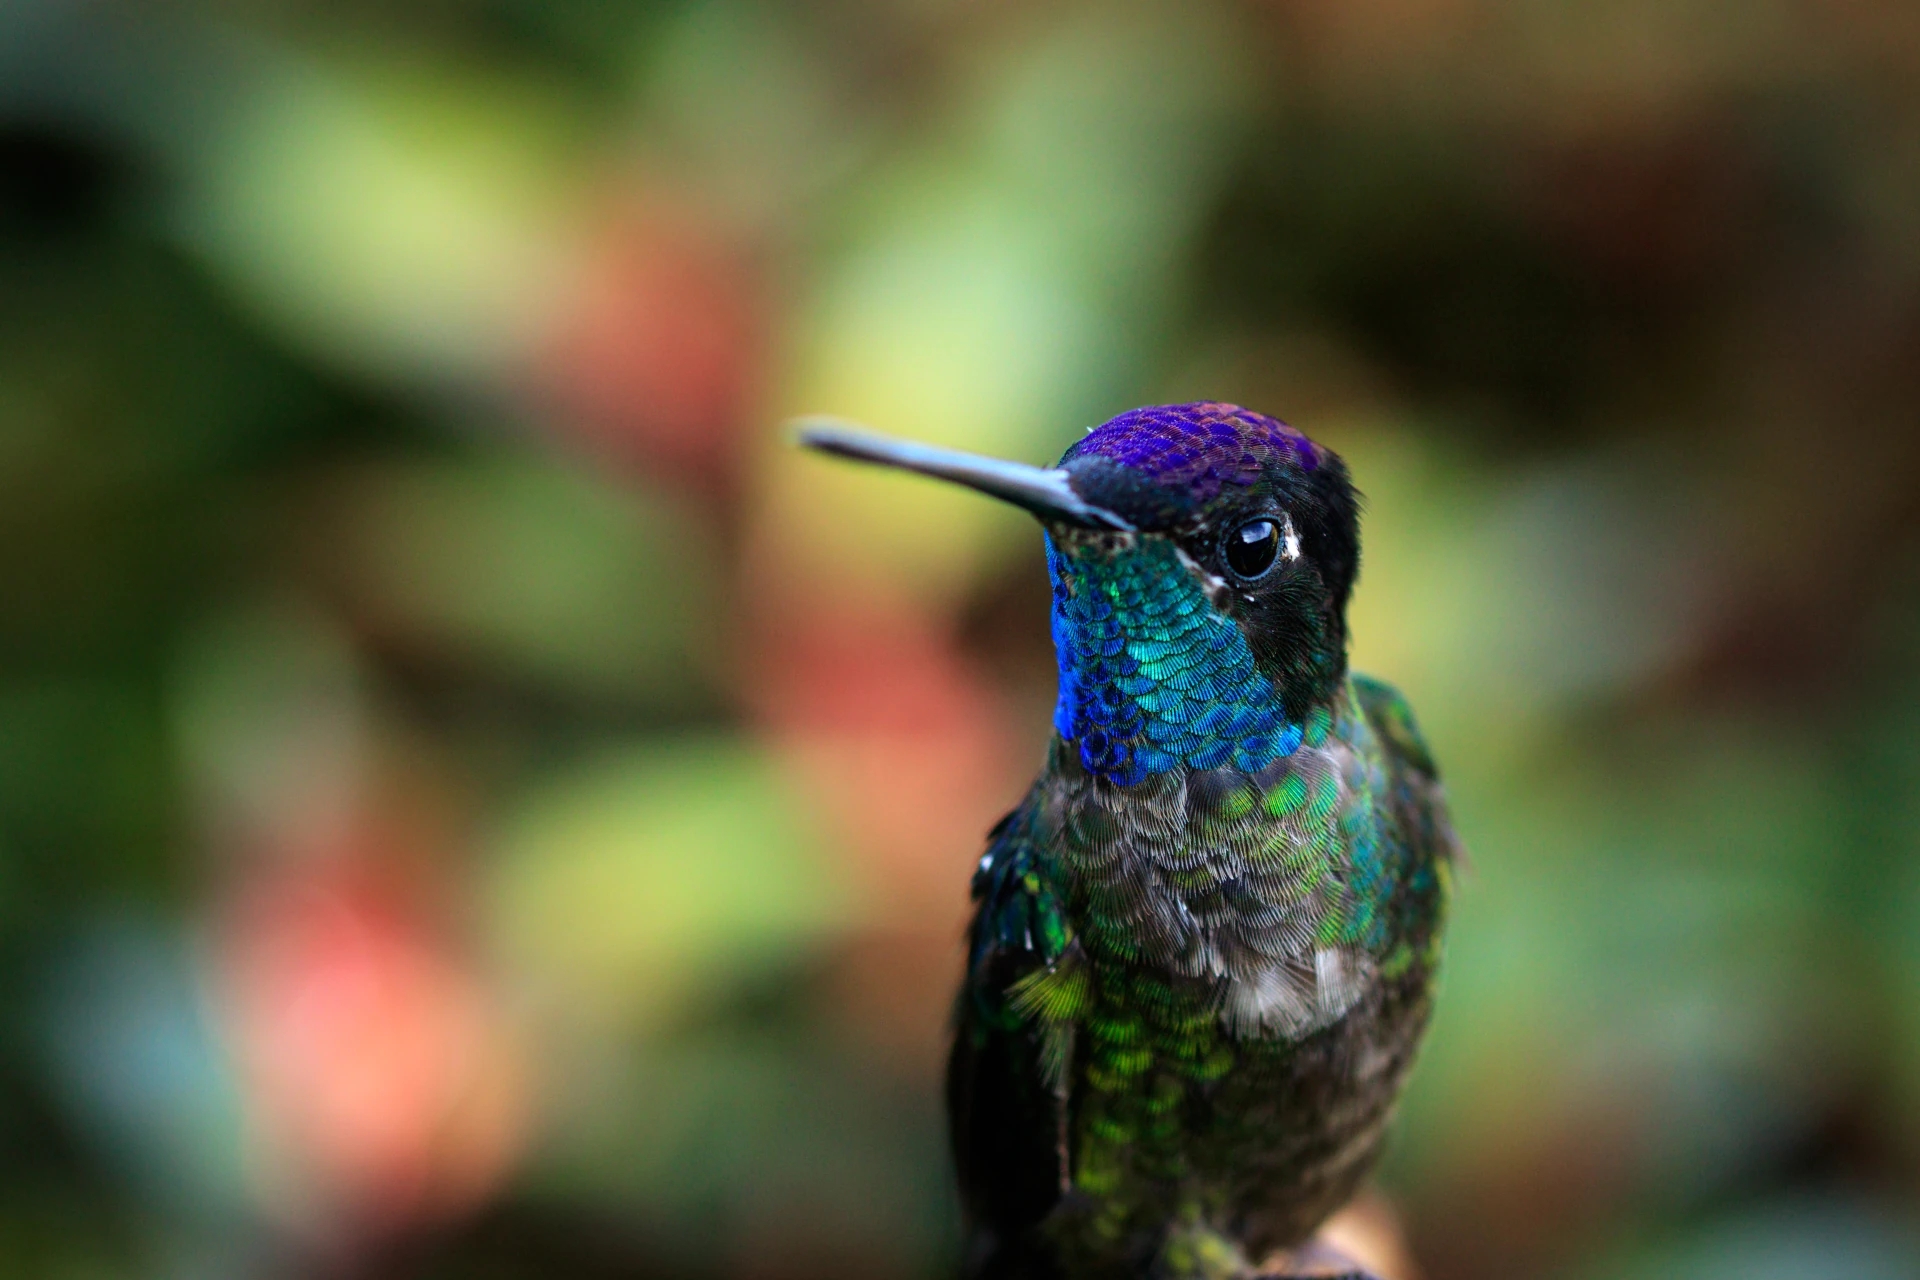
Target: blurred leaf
397, 214
270, 716
1502, 599
1829, 1239
736, 1138
637, 884
86, 807
512, 562
995, 290
738, 95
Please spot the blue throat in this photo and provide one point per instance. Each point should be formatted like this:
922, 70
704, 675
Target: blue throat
1152, 678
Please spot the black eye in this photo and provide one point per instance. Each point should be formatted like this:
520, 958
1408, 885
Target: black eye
1252, 547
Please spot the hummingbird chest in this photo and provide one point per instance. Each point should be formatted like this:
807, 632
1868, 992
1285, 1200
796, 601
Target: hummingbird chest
1235, 1002
1264, 891
1169, 1116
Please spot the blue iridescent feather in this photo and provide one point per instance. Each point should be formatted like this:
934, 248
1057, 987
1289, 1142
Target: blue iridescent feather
1152, 678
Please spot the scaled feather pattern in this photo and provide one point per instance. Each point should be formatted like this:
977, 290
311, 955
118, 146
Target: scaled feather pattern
1151, 677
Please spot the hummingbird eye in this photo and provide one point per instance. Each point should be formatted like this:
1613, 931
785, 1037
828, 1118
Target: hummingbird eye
1252, 547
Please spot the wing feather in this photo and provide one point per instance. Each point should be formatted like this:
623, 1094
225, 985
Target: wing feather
1005, 1103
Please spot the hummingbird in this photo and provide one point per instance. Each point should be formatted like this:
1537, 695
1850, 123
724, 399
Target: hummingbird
1203, 946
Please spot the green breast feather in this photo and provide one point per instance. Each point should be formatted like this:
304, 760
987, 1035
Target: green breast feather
1295, 893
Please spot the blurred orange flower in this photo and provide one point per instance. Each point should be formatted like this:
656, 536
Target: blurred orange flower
383, 1089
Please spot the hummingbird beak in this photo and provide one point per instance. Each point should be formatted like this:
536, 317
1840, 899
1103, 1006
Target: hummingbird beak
1046, 493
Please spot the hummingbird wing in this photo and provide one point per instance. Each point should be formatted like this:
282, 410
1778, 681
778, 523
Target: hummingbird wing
1418, 800
1005, 1113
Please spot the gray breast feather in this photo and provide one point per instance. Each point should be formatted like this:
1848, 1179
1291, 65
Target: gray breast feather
1208, 879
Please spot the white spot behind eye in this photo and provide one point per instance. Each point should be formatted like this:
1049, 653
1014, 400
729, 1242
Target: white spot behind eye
1290, 544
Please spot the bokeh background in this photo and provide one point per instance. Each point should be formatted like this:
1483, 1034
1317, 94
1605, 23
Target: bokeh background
474, 802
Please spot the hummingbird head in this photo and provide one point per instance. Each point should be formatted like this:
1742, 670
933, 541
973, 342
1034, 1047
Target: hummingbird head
1202, 556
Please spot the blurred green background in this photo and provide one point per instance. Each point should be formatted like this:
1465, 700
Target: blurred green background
475, 803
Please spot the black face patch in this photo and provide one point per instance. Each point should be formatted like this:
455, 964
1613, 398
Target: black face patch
1283, 553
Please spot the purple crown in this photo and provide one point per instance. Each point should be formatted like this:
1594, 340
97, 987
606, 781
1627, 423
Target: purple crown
1198, 447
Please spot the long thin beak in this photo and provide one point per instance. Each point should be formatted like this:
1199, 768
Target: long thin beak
1045, 493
